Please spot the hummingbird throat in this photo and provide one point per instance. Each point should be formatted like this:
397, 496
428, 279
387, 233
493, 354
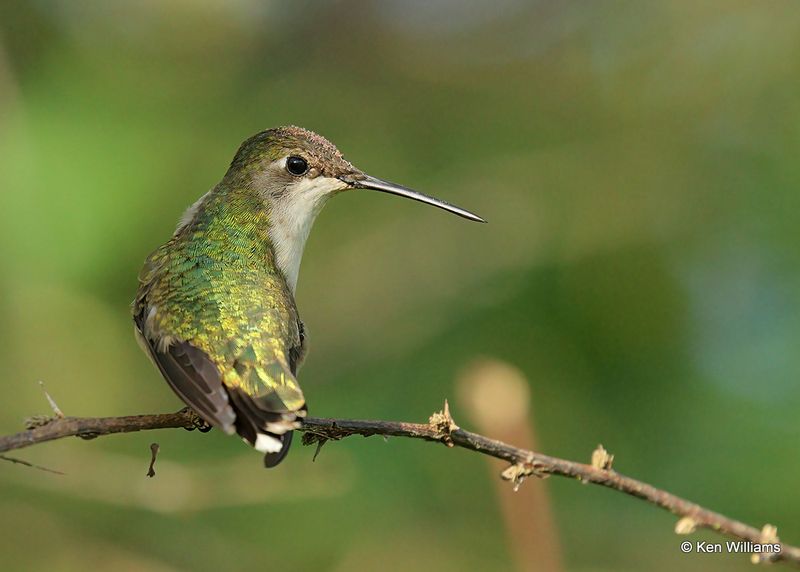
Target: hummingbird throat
291, 216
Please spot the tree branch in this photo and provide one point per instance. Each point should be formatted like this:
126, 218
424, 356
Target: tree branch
440, 428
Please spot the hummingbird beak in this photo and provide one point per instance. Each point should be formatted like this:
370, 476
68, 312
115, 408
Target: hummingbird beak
362, 181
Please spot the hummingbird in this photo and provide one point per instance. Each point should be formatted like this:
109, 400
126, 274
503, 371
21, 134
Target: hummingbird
215, 308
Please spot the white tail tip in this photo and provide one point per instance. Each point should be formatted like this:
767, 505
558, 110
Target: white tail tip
267, 444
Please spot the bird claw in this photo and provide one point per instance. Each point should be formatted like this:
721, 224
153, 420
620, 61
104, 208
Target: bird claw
203, 426
196, 422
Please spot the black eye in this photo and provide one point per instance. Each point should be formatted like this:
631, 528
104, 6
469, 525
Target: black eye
296, 165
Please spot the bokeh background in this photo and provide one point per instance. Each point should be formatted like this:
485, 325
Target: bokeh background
638, 164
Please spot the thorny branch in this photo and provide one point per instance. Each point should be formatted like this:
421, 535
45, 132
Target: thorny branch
440, 428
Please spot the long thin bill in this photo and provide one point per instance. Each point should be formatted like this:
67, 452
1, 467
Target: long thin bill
368, 182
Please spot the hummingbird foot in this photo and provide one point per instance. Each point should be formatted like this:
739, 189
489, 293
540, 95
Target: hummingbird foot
196, 422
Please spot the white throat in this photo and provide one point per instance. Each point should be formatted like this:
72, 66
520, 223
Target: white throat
291, 220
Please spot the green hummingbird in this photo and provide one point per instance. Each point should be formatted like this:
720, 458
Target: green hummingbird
215, 308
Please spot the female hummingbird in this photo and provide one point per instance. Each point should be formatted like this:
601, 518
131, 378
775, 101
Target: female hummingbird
215, 307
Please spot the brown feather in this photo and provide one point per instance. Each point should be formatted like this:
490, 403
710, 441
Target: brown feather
195, 379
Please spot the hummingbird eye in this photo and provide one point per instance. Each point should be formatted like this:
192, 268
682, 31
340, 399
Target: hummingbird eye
296, 165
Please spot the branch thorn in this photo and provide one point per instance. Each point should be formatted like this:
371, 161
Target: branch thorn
151, 471
320, 442
602, 459
769, 535
27, 464
444, 425
686, 525
58, 413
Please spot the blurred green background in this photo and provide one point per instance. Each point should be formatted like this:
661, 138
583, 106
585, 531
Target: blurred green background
638, 165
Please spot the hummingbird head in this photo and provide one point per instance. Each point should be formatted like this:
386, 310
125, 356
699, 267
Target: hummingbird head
296, 168
296, 171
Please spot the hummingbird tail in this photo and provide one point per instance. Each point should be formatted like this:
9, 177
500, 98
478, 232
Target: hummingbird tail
274, 446
268, 432
272, 459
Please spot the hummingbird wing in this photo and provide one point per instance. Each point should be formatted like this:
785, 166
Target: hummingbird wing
194, 377
262, 404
